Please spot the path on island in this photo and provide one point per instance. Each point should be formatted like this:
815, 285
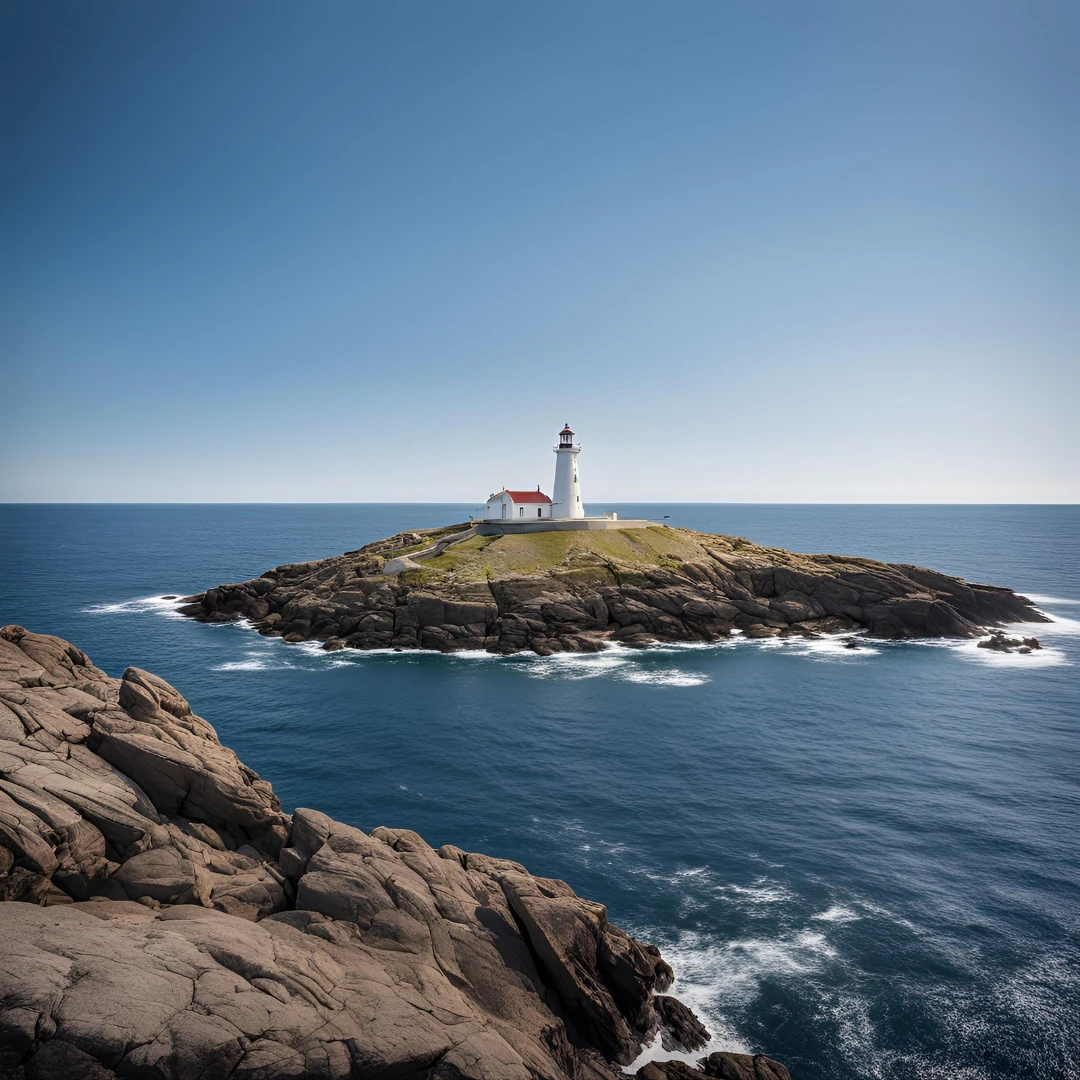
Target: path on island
405, 562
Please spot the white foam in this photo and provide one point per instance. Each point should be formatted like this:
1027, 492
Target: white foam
309, 648
732, 971
1058, 624
157, 605
674, 677
838, 913
1055, 600
1045, 657
759, 891
827, 647
693, 872
712, 976
575, 665
254, 664
314, 653
690, 646
722, 1038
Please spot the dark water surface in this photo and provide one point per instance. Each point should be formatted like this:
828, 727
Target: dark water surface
866, 864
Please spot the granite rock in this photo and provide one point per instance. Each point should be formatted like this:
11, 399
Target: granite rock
166, 920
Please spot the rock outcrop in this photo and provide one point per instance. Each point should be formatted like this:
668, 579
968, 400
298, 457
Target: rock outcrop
718, 1067
999, 642
575, 591
175, 923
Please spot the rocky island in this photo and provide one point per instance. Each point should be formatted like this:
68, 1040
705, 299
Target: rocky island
462, 587
162, 918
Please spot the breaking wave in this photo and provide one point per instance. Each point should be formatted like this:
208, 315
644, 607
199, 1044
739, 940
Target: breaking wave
157, 605
673, 677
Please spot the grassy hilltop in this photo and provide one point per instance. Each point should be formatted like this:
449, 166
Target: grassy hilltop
492, 557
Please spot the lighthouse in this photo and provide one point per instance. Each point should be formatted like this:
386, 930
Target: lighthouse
566, 497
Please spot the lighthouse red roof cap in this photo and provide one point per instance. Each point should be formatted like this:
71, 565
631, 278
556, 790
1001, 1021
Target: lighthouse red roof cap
528, 496
566, 431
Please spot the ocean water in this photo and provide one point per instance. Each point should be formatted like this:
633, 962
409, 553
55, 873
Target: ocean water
864, 863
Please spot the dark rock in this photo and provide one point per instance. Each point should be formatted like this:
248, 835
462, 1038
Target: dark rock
744, 1067
719, 1066
680, 1028
999, 642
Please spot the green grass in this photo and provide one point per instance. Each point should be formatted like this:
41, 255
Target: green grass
529, 553
462, 554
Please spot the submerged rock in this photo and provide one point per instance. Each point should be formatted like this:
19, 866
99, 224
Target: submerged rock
177, 924
999, 642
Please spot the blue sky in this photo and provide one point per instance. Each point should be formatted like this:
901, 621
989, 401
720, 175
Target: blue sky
752, 251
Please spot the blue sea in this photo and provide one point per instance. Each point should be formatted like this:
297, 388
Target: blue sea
864, 863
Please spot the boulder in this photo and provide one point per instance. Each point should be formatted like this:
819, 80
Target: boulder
164, 875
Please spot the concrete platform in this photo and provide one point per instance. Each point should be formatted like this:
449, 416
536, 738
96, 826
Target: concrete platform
588, 524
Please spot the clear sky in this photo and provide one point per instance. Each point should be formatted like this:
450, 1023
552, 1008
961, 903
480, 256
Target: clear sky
752, 250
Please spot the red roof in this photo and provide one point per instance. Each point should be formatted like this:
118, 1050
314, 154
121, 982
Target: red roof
528, 496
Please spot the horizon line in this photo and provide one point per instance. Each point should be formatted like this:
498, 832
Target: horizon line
430, 502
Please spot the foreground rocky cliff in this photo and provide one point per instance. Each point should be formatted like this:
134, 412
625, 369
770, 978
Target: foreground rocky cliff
575, 591
175, 923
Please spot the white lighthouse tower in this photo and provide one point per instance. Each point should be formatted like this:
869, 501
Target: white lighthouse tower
566, 497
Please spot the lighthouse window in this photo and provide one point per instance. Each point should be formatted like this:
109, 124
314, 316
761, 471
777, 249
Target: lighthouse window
521, 511
575, 478
579, 498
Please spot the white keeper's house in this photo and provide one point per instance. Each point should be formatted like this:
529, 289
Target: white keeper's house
509, 505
